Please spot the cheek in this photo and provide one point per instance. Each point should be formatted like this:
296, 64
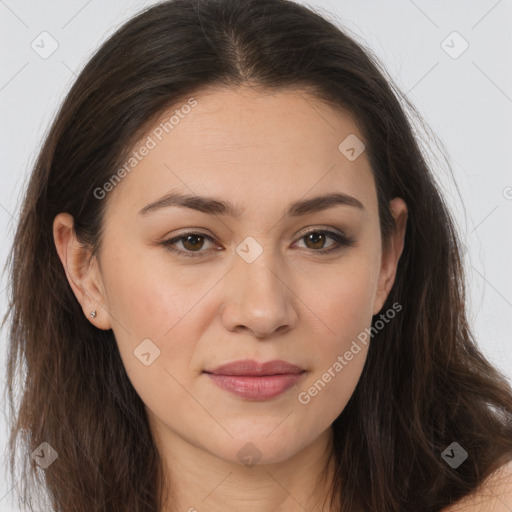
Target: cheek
326, 393
344, 305
342, 300
147, 303
339, 357
148, 296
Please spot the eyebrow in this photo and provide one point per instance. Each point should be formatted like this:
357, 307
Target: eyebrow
213, 206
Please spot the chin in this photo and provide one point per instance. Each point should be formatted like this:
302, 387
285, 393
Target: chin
257, 448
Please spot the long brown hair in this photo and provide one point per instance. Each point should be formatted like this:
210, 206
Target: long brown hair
425, 384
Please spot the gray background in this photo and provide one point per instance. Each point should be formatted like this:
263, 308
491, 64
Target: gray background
466, 100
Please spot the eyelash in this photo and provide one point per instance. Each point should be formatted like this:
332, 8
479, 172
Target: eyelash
341, 241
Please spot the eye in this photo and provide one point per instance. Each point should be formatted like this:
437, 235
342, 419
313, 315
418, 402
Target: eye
316, 238
193, 242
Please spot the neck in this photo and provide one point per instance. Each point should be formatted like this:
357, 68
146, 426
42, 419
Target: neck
198, 480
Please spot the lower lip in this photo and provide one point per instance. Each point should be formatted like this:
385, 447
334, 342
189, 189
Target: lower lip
256, 388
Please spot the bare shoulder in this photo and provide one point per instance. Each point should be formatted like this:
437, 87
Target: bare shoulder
494, 495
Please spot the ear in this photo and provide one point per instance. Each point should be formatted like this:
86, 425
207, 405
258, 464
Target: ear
391, 253
82, 270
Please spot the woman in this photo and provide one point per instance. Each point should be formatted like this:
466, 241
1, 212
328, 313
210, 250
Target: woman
235, 284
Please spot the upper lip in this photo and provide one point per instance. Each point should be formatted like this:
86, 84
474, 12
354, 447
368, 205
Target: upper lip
254, 368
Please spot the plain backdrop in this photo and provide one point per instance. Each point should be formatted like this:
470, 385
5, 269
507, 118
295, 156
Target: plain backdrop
451, 58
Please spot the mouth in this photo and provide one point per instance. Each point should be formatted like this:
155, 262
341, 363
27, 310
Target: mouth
256, 381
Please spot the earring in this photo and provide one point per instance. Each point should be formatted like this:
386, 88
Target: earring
93, 313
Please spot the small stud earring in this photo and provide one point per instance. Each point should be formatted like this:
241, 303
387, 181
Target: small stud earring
93, 313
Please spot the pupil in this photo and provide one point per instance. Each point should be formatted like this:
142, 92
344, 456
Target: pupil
316, 238
194, 245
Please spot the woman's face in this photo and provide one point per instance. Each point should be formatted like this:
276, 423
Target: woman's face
251, 286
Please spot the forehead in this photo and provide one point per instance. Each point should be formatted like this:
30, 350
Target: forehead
245, 144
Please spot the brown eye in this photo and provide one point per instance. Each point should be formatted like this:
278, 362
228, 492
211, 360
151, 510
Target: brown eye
193, 242
316, 239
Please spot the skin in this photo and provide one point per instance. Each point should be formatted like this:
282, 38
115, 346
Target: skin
493, 495
260, 151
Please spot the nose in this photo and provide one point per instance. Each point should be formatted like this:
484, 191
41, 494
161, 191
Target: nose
258, 299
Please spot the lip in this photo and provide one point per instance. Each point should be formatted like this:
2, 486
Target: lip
256, 381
